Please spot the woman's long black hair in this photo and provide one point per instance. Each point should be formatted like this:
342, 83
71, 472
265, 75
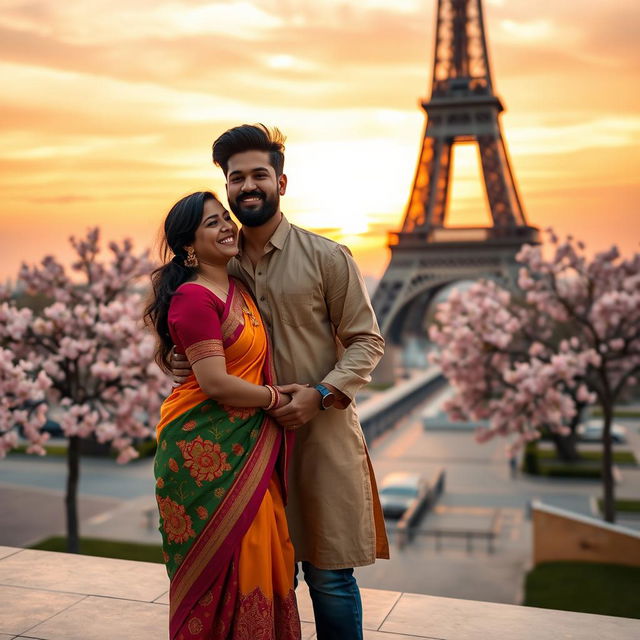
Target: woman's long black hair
179, 232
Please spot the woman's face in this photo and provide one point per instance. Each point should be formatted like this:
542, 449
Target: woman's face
216, 239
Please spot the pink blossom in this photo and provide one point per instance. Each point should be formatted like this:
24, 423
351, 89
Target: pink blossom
126, 455
86, 353
506, 361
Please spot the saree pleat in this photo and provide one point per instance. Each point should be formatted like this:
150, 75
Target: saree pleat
220, 495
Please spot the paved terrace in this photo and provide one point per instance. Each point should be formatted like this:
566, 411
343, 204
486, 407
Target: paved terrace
55, 596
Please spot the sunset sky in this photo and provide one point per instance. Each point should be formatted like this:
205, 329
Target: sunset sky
109, 108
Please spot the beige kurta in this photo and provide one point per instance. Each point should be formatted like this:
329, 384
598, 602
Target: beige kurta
323, 329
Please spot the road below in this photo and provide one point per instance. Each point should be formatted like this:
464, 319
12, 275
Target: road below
118, 502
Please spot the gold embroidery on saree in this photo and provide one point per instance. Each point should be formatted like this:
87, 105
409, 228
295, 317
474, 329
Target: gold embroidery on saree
204, 349
235, 318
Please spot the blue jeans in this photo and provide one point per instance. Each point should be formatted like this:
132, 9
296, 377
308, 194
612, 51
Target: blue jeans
337, 606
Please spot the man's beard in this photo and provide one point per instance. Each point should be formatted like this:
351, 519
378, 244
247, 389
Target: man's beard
256, 216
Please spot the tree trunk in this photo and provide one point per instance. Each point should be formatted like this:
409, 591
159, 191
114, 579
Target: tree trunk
566, 446
608, 497
71, 499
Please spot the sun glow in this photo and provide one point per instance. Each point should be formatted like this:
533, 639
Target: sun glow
344, 186
113, 106
467, 205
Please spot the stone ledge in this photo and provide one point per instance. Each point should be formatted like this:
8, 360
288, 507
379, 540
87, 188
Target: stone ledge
55, 596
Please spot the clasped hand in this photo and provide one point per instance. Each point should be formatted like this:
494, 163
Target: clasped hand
299, 404
304, 405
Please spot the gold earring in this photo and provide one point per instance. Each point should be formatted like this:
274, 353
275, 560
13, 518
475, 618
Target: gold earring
191, 260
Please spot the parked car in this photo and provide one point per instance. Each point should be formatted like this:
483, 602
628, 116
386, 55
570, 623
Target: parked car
592, 430
398, 491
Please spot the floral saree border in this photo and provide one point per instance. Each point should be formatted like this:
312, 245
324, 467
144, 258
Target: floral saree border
231, 520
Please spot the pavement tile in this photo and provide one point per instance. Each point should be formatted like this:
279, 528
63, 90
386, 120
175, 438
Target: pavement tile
22, 609
453, 619
381, 635
99, 618
308, 630
163, 599
376, 605
305, 608
8, 551
72, 573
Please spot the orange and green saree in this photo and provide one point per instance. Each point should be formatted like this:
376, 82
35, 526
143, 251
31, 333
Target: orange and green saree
221, 482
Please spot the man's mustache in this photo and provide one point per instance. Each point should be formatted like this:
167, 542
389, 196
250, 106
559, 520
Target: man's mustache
251, 194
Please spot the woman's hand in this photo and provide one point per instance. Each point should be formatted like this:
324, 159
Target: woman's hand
285, 399
180, 368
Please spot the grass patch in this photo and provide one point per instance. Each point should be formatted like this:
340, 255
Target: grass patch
618, 413
625, 456
623, 506
586, 587
146, 449
55, 450
105, 548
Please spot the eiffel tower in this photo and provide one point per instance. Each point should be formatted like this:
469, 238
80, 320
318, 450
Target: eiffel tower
426, 255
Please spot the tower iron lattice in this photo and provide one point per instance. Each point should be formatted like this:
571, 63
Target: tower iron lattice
426, 254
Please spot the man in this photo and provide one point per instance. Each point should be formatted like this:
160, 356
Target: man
326, 342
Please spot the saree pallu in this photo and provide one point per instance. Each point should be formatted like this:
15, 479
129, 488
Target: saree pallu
220, 478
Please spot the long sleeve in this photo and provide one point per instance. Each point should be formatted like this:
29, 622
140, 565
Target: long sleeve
354, 321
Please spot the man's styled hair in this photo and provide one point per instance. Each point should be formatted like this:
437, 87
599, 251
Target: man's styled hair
250, 137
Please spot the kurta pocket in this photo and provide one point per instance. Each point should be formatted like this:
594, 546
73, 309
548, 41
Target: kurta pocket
297, 308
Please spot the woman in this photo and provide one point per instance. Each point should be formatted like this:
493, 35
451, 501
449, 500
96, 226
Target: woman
221, 461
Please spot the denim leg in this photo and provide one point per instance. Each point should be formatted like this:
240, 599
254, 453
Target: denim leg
337, 606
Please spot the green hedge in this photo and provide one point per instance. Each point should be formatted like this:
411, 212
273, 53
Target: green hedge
543, 462
570, 471
587, 587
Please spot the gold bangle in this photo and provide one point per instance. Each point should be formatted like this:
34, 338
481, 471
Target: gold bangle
274, 398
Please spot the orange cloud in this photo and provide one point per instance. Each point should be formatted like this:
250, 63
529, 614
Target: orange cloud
113, 106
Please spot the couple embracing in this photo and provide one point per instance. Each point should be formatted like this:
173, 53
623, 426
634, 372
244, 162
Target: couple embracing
273, 335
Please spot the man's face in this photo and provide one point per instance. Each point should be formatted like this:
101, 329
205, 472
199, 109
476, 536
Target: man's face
253, 189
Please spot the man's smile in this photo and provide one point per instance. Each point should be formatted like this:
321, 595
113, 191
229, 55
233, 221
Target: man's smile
251, 198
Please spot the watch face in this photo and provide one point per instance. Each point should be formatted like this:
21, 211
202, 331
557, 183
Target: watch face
327, 400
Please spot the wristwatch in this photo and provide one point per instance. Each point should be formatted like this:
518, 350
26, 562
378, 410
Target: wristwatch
327, 397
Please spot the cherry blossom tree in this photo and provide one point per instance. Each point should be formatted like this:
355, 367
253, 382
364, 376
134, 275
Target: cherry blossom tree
529, 360
85, 351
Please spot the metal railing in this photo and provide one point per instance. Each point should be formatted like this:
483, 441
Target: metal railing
407, 525
381, 413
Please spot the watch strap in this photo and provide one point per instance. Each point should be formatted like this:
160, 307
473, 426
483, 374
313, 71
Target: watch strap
324, 393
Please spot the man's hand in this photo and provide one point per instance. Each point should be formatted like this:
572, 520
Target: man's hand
180, 368
304, 406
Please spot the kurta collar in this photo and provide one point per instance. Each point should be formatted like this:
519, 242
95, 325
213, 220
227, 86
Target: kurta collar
279, 236
277, 239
